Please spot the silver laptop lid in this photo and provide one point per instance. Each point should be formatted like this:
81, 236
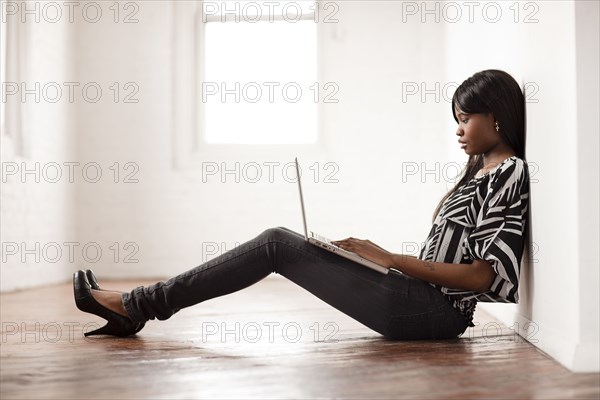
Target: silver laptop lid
301, 199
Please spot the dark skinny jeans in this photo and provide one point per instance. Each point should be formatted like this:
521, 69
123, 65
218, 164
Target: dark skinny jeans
395, 305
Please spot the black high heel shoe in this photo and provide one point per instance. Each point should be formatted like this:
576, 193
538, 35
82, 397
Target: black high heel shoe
117, 325
92, 279
94, 284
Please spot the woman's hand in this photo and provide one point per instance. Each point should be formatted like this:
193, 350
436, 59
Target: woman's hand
366, 249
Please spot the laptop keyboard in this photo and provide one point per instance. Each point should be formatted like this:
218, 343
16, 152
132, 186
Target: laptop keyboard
323, 239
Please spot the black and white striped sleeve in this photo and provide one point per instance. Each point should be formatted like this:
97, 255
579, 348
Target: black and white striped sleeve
498, 236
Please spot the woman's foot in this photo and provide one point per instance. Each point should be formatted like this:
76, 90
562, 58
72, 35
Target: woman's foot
106, 306
111, 300
93, 282
105, 297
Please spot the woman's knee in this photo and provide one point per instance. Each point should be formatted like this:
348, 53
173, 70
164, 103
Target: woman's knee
275, 233
287, 246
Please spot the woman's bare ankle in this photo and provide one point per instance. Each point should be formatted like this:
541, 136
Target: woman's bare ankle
111, 300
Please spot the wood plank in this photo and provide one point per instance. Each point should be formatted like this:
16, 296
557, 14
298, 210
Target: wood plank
44, 354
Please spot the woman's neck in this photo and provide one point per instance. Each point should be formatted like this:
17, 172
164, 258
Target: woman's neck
496, 155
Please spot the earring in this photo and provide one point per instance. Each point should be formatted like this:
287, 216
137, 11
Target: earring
497, 127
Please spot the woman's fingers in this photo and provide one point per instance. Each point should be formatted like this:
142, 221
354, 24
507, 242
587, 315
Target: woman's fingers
351, 244
347, 240
348, 244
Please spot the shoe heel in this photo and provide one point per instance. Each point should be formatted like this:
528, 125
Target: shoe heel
117, 324
108, 329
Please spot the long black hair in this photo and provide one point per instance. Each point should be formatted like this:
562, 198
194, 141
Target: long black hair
490, 91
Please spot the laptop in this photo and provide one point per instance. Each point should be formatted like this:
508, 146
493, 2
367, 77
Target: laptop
326, 244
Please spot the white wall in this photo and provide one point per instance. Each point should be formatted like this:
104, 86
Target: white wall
35, 211
549, 139
587, 51
557, 56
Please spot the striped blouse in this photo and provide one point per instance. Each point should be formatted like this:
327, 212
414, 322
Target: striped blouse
484, 219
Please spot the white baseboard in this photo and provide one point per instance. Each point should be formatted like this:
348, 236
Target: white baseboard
586, 358
575, 356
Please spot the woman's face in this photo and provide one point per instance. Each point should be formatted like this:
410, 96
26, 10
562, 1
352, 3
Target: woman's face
477, 133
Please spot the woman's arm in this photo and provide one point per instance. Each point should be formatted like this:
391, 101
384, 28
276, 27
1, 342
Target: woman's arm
477, 276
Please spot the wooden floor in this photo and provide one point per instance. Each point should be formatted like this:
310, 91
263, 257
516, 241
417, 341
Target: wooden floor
289, 344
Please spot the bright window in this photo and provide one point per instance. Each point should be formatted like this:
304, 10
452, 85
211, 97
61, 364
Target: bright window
259, 79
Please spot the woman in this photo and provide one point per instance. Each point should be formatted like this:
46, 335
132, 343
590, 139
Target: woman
472, 252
